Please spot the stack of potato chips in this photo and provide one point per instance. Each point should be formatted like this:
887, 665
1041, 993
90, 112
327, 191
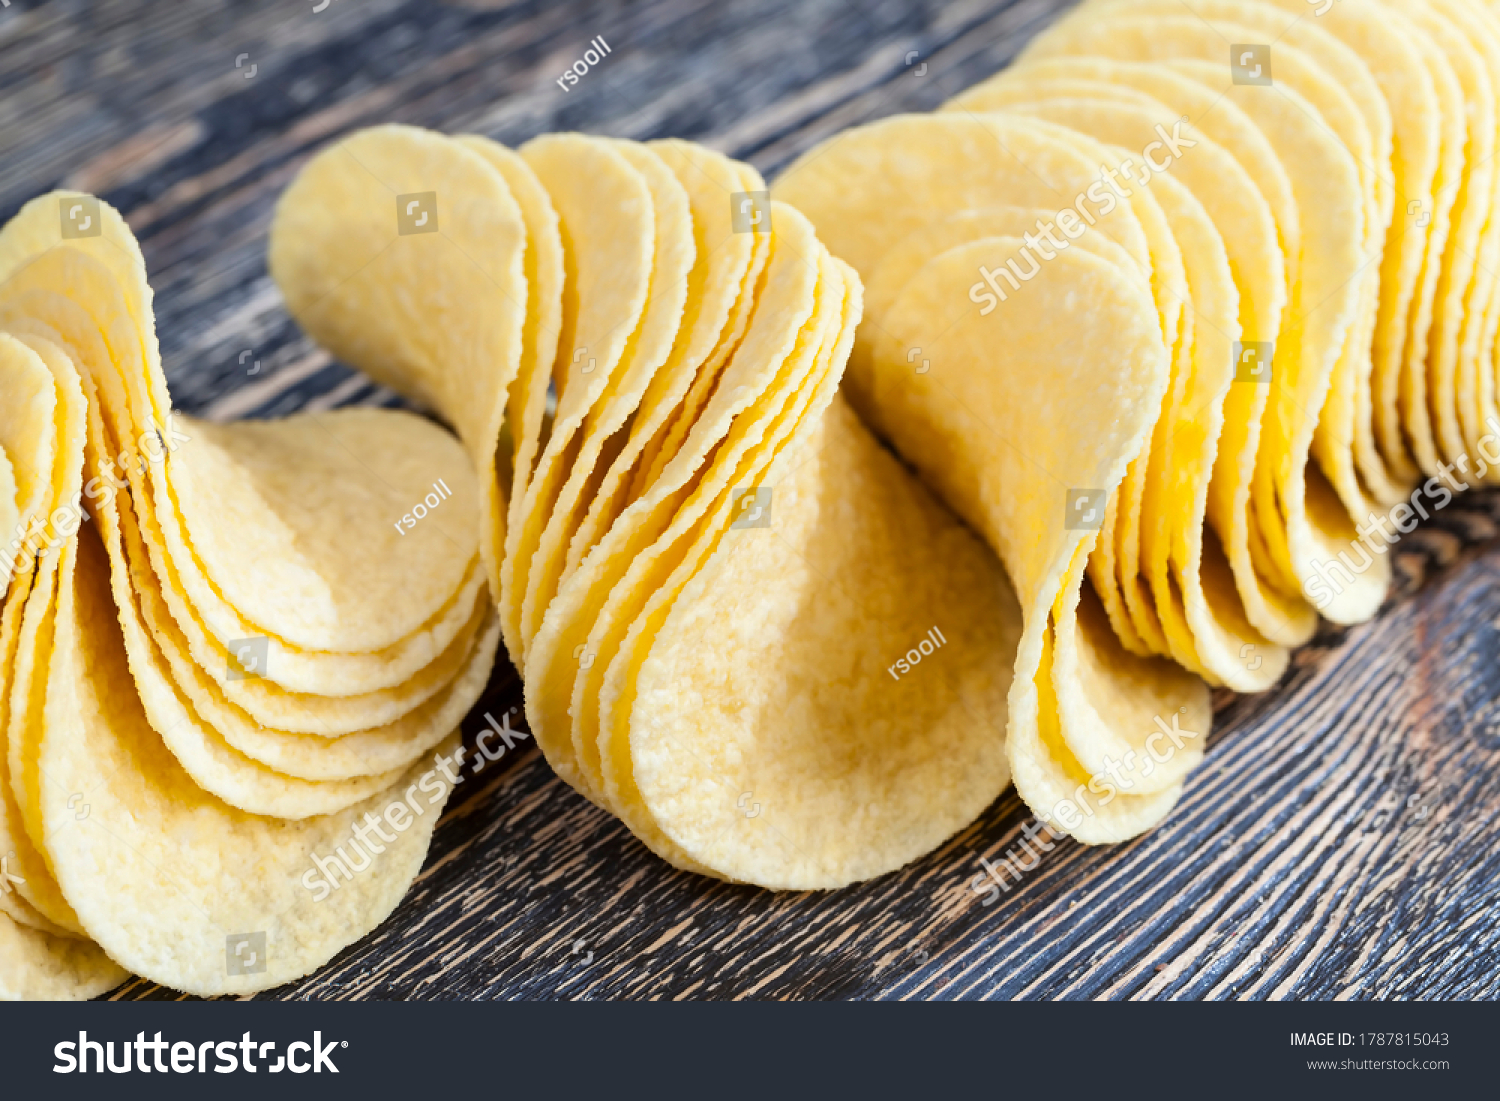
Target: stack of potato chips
1205, 298
705, 579
220, 658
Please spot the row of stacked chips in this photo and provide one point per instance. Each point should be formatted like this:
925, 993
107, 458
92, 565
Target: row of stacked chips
218, 661
1304, 207
707, 566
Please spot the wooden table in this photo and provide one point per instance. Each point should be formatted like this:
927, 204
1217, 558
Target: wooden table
1340, 840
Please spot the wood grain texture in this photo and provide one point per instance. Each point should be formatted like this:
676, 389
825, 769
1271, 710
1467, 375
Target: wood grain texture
1340, 840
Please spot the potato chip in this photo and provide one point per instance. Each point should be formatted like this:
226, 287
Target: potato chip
316, 563
421, 227
1218, 118
28, 441
1190, 578
609, 249
955, 162
1328, 314
750, 733
203, 754
10, 513
1416, 422
649, 349
1335, 432
1243, 218
40, 967
270, 704
720, 292
165, 877
544, 289
1337, 443
82, 315
26, 291
664, 448
24, 860
1473, 207
1481, 311
782, 309
315, 756
27, 650
1383, 37
630, 621
917, 247
1049, 411
1106, 30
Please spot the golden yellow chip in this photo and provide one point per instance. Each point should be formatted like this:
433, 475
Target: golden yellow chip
167, 878
28, 440
283, 558
915, 169
714, 316
36, 966
25, 676
544, 289
869, 692
784, 306
609, 248
381, 244
650, 348
638, 606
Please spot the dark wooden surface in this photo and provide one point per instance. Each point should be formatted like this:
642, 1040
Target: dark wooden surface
1341, 839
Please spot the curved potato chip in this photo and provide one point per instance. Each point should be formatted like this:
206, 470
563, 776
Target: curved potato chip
380, 246
1110, 30
104, 335
1218, 118
1243, 219
317, 550
81, 329
1313, 402
544, 289
921, 245
39, 967
1480, 311
720, 292
315, 756
28, 443
609, 247
162, 874
10, 513
783, 307
914, 168
23, 859
1008, 444
650, 346
1473, 207
662, 450
1190, 601
793, 702
603, 701
27, 654
1345, 453
212, 763
66, 686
